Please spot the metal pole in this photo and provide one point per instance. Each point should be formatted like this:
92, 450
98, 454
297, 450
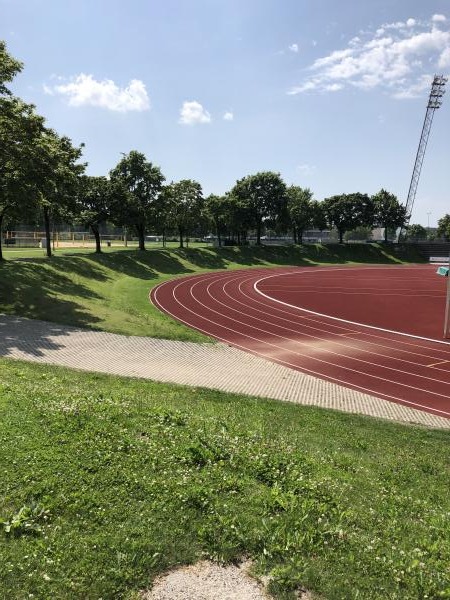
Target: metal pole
447, 305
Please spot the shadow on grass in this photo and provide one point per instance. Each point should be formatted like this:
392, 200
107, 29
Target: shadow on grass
32, 289
134, 263
306, 254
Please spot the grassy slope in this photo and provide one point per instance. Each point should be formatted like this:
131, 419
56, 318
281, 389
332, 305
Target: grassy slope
110, 291
123, 478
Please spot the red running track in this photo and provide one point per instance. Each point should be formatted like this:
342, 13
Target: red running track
374, 329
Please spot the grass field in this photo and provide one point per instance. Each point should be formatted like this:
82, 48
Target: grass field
108, 481
110, 291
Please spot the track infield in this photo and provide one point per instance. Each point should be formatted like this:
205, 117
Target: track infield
376, 329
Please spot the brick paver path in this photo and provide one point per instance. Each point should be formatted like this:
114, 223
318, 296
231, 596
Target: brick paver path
215, 366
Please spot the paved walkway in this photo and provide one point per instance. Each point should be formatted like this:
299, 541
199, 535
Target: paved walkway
215, 366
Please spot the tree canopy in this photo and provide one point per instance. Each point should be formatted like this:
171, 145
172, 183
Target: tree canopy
300, 210
416, 232
264, 197
444, 227
348, 211
141, 183
9, 68
388, 212
186, 206
93, 206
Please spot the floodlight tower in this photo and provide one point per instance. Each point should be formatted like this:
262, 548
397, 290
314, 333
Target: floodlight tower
434, 102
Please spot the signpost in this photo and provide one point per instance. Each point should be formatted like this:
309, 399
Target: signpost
445, 271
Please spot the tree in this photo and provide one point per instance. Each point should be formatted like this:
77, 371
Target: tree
93, 204
264, 194
348, 211
186, 206
19, 129
164, 211
238, 217
141, 183
217, 212
9, 68
388, 212
416, 232
359, 234
444, 227
56, 173
318, 216
37, 167
300, 210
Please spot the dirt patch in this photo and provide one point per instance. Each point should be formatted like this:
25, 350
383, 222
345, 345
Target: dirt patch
207, 581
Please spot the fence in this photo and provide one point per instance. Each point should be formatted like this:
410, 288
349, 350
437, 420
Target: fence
59, 239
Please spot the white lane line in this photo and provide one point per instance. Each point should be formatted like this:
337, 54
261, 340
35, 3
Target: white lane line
439, 363
326, 328
306, 343
283, 362
312, 312
307, 356
331, 340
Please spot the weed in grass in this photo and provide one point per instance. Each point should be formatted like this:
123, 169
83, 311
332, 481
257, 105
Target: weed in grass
30, 519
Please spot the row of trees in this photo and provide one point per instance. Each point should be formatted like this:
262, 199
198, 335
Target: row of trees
41, 174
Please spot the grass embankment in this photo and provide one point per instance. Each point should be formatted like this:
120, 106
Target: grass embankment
107, 481
110, 291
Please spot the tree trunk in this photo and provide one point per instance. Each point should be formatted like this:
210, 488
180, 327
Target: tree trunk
48, 246
141, 237
385, 234
218, 236
96, 233
1, 223
164, 238
258, 233
300, 236
341, 236
180, 231
294, 234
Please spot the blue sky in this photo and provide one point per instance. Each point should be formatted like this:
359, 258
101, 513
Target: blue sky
331, 94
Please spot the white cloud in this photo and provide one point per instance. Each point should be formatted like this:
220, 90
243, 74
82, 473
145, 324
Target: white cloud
333, 87
439, 18
228, 116
293, 48
305, 169
444, 59
192, 113
415, 89
398, 57
305, 87
84, 90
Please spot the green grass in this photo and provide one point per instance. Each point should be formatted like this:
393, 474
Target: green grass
107, 481
110, 292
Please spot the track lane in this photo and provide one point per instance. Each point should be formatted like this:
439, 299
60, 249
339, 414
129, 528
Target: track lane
385, 364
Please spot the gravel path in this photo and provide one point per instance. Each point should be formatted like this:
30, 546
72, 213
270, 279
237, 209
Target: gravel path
207, 581
215, 366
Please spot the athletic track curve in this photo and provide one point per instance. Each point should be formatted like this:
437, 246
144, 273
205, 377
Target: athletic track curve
374, 329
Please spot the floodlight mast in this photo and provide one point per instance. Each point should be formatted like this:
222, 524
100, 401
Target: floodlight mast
434, 102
